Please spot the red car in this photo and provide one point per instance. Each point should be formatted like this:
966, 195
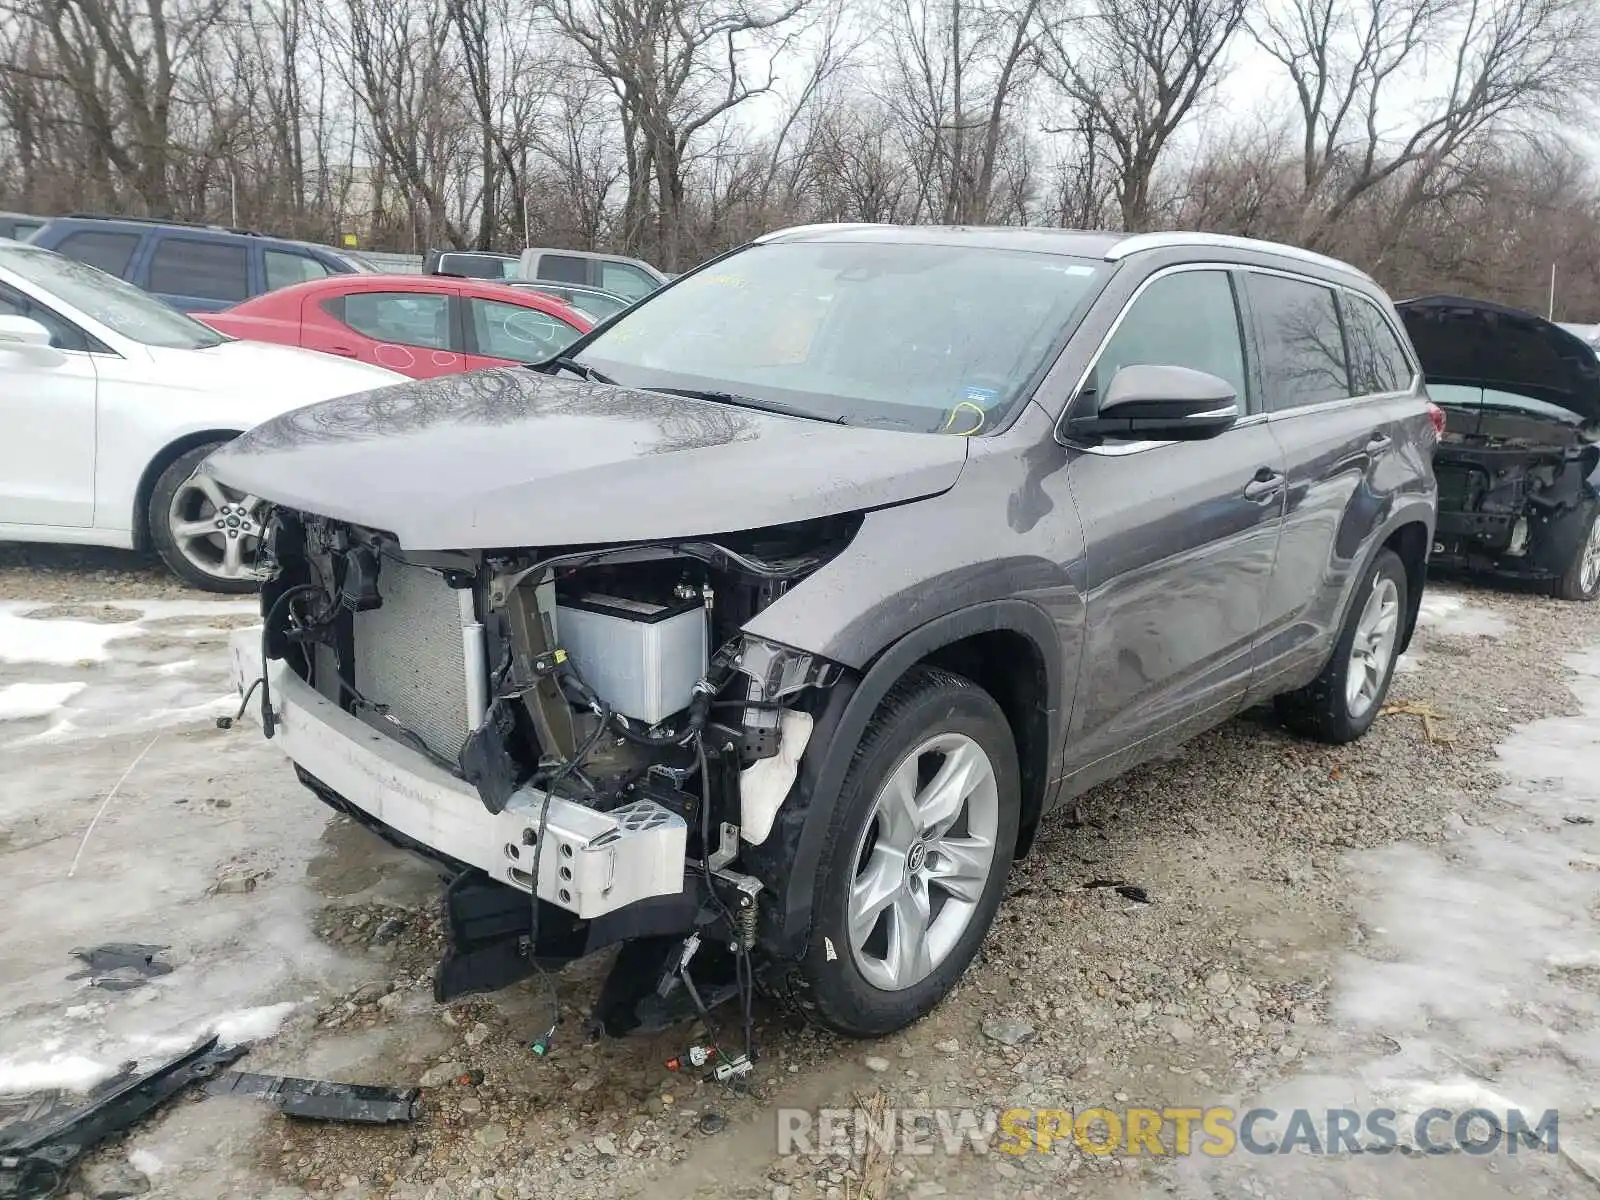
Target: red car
419, 325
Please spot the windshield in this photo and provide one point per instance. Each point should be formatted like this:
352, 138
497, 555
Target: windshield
120, 307
935, 338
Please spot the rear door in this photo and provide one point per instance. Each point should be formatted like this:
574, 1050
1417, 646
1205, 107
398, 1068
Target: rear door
198, 274
417, 333
1180, 537
1337, 383
48, 410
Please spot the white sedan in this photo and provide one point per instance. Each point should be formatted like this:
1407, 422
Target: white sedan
109, 400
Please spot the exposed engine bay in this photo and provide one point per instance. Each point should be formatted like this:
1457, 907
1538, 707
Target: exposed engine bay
1517, 459
605, 697
1507, 482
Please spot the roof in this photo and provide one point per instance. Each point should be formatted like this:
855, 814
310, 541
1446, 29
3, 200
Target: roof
1078, 243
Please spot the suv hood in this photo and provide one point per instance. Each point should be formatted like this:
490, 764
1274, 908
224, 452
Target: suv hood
510, 457
1480, 344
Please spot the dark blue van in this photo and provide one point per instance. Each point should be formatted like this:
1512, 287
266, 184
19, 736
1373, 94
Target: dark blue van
195, 268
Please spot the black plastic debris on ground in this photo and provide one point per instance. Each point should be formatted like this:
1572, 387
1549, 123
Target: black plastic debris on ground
1129, 891
320, 1100
119, 966
42, 1143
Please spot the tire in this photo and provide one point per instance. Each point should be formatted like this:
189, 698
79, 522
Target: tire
1581, 579
167, 514
844, 978
1325, 709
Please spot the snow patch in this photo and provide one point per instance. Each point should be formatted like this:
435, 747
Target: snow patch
176, 668
144, 1162
64, 1072
1452, 616
252, 1024
24, 701
56, 643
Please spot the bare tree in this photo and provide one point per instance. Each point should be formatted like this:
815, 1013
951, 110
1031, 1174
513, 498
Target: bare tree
1134, 70
1498, 61
675, 66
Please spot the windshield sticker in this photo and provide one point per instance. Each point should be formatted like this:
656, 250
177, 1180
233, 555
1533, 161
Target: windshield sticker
965, 419
981, 397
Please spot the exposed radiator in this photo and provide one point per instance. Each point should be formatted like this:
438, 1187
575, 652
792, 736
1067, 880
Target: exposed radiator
409, 655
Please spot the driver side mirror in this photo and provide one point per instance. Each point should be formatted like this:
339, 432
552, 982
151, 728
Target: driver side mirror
24, 335
1161, 404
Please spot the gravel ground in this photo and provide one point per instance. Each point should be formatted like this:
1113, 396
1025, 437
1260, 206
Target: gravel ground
1249, 844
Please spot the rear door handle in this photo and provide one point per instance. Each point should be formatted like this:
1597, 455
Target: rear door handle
1267, 484
1379, 442
344, 351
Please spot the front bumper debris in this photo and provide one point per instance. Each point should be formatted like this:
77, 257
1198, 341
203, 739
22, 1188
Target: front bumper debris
593, 862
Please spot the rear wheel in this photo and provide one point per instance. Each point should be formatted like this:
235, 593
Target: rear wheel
208, 535
1581, 579
917, 857
1340, 704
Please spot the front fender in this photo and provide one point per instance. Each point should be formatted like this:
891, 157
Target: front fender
788, 860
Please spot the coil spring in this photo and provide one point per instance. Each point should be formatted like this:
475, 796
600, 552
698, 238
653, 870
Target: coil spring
747, 923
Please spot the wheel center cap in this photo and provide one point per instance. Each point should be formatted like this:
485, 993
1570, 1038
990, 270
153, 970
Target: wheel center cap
916, 857
233, 522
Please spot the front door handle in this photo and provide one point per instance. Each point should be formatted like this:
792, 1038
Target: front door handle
1379, 442
1266, 485
343, 351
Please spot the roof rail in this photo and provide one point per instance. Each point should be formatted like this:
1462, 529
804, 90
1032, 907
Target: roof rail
818, 227
84, 216
1138, 242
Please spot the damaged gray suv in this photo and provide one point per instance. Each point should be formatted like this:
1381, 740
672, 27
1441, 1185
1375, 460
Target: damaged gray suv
759, 632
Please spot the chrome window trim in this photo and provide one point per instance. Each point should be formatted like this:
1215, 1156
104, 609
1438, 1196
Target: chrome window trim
1121, 449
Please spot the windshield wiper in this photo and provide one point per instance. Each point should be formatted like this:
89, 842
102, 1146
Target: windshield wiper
740, 401
562, 362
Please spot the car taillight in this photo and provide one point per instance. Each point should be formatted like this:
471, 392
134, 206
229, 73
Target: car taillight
1436, 416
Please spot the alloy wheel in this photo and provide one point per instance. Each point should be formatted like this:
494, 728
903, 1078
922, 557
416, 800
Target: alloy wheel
1372, 650
1589, 571
216, 529
923, 861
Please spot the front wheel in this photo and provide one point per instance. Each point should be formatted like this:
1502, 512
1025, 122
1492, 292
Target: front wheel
1341, 703
917, 857
208, 535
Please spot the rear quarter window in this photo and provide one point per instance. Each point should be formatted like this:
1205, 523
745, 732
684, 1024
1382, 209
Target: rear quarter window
1378, 363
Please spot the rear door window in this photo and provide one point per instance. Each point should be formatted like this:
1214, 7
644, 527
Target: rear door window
109, 251
564, 268
206, 270
404, 318
284, 267
1302, 343
1187, 319
1378, 364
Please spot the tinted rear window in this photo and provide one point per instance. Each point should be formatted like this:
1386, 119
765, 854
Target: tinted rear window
204, 269
1377, 362
564, 268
